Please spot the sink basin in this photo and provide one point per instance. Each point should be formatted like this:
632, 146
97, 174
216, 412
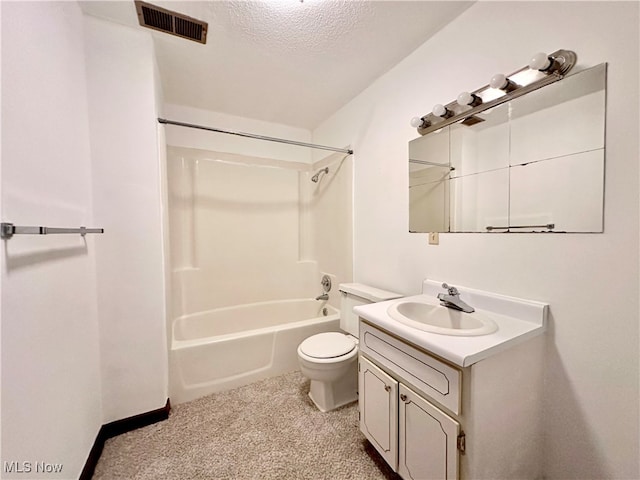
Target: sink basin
441, 320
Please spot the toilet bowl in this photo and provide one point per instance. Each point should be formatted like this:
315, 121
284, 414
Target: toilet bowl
330, 359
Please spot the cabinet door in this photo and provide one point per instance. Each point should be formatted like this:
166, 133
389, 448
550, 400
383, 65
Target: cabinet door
378, 404
428, 439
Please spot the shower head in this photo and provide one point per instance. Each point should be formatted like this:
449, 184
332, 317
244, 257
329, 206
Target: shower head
316, 177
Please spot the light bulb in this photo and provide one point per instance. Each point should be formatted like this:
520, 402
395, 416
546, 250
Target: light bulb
540, 61
501, 82
439, 110
466, 98
498, 81
420, 122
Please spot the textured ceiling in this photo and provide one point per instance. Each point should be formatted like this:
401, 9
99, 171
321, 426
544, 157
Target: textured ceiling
284, 61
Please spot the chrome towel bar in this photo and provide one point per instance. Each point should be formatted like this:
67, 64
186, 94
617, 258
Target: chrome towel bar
549, 226
8, 230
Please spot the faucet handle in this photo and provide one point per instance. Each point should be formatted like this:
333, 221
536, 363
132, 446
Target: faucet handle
326, 283
451, 290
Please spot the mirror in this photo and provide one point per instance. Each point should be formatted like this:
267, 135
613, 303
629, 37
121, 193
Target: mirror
532, 164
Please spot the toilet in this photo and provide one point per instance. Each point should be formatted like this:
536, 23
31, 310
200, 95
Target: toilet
330, 359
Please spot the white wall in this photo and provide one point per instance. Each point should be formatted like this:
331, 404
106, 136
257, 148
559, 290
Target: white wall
127, 185
51, 393
324, 212
234, 231
590, 281
249, 229
329, 206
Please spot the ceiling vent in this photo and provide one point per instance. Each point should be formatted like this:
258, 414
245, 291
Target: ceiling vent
174, 23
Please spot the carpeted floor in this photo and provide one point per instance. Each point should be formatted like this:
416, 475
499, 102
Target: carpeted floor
266, 430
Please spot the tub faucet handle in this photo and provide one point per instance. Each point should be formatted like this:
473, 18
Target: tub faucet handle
326, 283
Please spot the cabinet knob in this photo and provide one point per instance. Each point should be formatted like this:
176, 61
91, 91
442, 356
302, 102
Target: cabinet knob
387, 388
403, 397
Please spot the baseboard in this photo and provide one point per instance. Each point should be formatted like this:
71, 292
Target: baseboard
119, 427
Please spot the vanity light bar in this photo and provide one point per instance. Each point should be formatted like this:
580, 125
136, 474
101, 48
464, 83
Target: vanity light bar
541, 71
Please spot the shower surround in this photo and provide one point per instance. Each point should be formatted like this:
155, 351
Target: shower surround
251, 234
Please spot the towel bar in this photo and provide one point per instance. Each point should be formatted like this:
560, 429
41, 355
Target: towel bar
8, 230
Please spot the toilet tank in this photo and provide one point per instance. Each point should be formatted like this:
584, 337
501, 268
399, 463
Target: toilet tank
355, 294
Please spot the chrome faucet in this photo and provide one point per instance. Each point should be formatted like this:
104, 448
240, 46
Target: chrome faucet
324, 296
452, 299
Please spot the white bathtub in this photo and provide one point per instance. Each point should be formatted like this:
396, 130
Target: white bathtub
233, 346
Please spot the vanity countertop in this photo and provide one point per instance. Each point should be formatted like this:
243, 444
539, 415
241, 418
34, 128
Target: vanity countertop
518, 320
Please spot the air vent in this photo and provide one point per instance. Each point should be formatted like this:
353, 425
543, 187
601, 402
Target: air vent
175, 23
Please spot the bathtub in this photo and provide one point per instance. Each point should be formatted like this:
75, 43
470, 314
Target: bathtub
230, 347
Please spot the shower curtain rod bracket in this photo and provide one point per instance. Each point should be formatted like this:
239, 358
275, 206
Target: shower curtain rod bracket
257, 137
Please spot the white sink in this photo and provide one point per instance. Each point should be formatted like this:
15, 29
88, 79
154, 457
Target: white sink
449, 334
441, 320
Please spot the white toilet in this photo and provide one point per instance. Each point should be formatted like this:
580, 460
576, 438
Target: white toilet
329, 359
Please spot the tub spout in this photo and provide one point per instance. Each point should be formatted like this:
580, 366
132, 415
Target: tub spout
324, 296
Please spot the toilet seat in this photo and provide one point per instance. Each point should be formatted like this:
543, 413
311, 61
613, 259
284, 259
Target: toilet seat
328, 345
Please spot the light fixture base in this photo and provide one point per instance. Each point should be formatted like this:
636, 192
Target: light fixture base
566, 60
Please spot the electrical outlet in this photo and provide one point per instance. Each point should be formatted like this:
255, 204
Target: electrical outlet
434, 238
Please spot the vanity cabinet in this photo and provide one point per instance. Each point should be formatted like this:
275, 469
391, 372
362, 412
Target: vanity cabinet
415, 438
378, 403
432, 420
428, 439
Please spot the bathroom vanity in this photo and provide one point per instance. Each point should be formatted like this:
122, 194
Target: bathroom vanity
439, 406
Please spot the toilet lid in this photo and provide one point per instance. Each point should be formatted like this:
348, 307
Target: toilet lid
328, 345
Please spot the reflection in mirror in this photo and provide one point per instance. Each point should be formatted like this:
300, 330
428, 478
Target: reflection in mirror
480, 200
482, 147
567, 192
429, 183
535, 163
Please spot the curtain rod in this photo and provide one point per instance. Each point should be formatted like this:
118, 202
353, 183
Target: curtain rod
257, 137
